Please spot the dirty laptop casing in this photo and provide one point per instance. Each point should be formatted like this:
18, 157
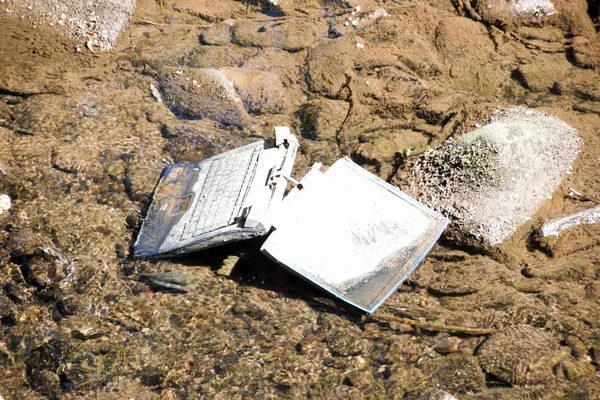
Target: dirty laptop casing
344, 230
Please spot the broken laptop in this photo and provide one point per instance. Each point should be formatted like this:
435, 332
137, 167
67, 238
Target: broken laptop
345, 230
225, 198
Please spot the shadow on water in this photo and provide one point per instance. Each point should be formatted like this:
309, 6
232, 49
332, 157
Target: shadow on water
257, 270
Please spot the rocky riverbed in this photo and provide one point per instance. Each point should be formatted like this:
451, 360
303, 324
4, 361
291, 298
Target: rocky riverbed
85, 134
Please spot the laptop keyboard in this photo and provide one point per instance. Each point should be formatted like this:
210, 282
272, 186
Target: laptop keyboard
223, 192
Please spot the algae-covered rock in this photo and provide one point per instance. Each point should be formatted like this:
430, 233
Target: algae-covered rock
491, 180
521, 355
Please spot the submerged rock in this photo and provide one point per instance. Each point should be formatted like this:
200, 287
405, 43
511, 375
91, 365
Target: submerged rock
491, 180
224, 95
202, 94
96, 24
521, 355
170, 281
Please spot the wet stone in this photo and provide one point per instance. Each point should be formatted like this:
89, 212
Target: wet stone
46, 382
6, 306
455, 39
448, 345
586, 53
578, 348
529, 285
576, 370
469, 276
177, 281
6, 358
521, 355
190, 148
261, 92
457, 373
325, 152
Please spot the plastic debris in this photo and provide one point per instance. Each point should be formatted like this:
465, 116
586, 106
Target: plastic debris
585, 217
344, 230
156, 93
5, 203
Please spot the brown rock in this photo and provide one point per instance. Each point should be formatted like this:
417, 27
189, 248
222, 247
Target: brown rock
398, 349
585, 53
283, 63
325, 152
384, 147
404, 377
46, 382
468, 276
206, 9
596, 354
